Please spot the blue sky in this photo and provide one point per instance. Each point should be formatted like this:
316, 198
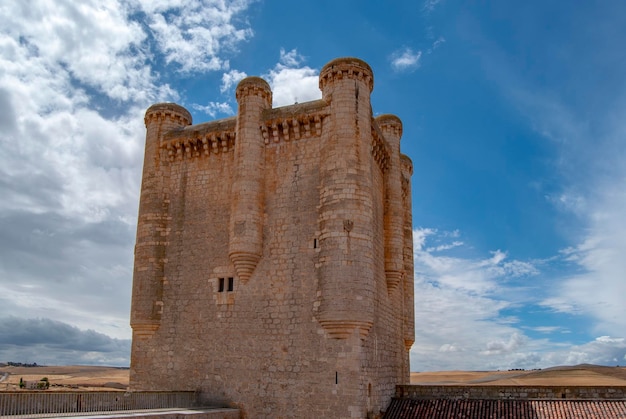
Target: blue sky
513, 113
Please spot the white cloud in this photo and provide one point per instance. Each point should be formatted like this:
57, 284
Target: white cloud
230, 78
443, 247
405, 60
459, 297
195, 34
459, 306
438, 42
598, 289
75, 80
291, 58
589, 145
291, 81
498, 347
213, 108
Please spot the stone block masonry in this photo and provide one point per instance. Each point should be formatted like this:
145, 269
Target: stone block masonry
273, 264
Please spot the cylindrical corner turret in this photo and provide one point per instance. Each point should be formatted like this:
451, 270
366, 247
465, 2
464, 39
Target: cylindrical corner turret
347, 277
246, 219
170, 113
391, 127
147, 301
407, 252
254, 86
344, 69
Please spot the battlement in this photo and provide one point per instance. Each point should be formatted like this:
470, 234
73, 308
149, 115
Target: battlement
288, 123
348, 68
168, 111
200, 140
254, 86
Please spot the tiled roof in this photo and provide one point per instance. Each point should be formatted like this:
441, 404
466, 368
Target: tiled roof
505, 409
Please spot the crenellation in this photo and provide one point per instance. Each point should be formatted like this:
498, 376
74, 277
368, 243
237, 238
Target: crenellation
288, 128
380, 150
268, 289
346, 68
254, 86
188, 145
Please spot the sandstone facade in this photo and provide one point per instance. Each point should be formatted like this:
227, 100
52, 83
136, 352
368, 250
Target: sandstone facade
274, 260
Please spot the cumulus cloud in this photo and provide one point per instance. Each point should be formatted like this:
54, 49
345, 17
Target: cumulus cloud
465, 300
230, 78
405, 60
292, 81
461, 298
75, 80
504, 347
194, 35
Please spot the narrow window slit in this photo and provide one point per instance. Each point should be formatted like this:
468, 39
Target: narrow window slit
221, 285
231, 284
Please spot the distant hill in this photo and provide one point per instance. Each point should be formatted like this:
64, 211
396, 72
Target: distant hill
76, 377
575, 375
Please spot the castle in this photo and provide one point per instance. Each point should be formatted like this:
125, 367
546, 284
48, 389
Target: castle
274, 255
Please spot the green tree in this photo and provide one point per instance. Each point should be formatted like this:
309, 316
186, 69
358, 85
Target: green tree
44, 383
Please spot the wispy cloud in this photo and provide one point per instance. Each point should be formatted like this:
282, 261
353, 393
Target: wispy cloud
214, 108
405, 60
430, 5
465, 300
436, 45
581, 117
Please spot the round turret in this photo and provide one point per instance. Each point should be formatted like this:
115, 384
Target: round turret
245, 247
389, 123
345, 68
407, 164
176, 113
254, 86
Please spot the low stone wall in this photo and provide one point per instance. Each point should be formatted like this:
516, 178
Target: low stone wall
421, 392
55, 404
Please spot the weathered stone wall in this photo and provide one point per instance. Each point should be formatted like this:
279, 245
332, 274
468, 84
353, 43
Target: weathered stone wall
267, 260
511, 392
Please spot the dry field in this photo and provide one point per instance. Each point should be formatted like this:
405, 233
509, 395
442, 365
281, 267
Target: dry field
578, 375
84, 378
88, 378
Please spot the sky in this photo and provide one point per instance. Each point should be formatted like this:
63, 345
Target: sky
514, 115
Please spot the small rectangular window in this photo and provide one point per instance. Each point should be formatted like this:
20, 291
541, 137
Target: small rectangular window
231, 284
314, 243
221, 285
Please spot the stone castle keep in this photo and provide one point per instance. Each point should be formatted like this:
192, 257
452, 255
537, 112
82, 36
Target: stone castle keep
274, 255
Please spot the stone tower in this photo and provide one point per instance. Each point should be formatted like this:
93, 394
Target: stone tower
274, 259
